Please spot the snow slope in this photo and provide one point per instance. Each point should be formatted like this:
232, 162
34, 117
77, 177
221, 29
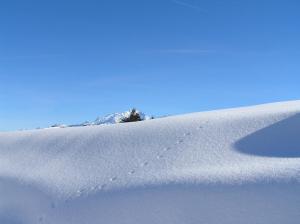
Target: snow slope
227, 166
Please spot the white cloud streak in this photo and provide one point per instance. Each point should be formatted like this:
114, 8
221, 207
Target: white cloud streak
188, 4
183, 51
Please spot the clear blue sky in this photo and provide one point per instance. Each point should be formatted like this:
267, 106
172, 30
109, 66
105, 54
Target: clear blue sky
70, 61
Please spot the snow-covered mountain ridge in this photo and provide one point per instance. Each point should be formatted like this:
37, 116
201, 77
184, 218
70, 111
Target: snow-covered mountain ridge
237, 165
109, 119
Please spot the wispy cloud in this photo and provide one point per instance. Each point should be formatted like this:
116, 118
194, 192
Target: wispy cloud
189, 5
183, 51
29, 57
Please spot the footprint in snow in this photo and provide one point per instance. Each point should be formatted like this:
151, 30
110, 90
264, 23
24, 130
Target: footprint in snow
113, 179
103, 186
144, 164
80, 192
179, 141
200, 127
131, 172
167, 149
159, 156
187, 134
52, 205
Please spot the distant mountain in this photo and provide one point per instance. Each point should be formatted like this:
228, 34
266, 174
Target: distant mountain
113, 118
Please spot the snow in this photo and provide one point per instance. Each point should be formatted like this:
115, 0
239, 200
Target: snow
237, 165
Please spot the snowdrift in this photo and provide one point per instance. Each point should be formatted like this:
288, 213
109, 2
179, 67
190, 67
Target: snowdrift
228, 166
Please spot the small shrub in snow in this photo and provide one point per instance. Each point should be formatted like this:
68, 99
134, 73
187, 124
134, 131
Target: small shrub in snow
132, 116
128, 116
58, 126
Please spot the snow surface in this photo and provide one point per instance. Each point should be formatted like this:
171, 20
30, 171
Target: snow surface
227, 166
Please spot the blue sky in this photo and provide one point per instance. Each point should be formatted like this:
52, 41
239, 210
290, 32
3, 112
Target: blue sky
71, 61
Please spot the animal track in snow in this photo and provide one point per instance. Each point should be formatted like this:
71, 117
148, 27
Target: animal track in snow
187, 134
80, 192
103, 186
41, 219
159, 156
52, 205
113, 179
144, 164
131, 172
166, 149
179, 141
